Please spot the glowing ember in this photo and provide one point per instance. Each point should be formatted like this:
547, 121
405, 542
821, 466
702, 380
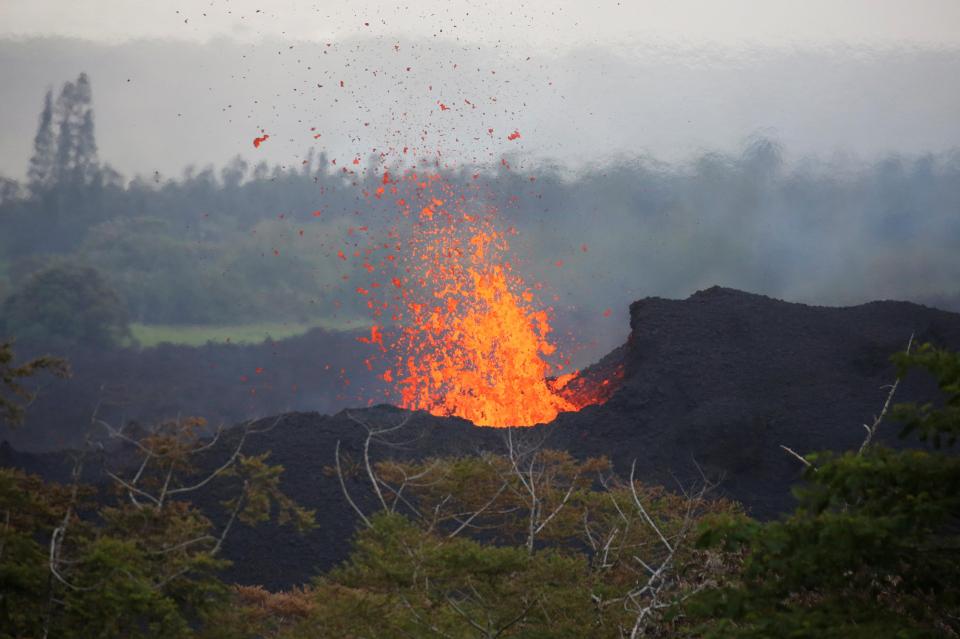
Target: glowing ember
469, 339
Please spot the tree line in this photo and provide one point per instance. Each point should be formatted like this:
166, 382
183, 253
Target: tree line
223, 246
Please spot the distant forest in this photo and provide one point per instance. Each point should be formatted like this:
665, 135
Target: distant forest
246, 244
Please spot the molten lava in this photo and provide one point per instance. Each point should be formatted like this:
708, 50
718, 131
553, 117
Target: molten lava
468, 339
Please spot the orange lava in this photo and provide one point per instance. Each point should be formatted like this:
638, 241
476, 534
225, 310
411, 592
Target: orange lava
477, 350
469, 339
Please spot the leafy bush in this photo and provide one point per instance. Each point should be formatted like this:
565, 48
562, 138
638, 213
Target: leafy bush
873, 549
67, 303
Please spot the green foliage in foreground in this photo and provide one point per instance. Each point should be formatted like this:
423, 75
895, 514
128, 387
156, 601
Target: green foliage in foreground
142, 563
14, 394
501, 545
430, 584
525, 543
873, 549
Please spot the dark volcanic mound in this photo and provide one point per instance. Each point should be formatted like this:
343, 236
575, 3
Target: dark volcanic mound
715, 382
724, 378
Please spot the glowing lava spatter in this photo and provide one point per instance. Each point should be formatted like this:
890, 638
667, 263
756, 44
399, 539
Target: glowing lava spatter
468, 339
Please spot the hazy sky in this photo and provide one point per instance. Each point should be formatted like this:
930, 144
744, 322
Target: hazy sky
532, 23
178, 83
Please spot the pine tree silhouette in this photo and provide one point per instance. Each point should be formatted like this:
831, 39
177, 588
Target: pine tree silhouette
86, 169
66, 112
74, 160
40, 172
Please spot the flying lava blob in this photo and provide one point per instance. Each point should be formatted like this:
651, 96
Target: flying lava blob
467, 337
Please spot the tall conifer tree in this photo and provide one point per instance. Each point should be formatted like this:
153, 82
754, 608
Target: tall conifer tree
40, 172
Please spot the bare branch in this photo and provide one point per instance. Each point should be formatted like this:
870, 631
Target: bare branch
566, 498
56, 539
586, 529
872, 429
133, 482
374, 434
658, 577
215, 473
213, 442
185, 544
233, 517
469, 619
398, 497
343, 487
116, 433
166, 485
476, 513
604, 561
370, 474
131, 488
796, 455
421, 620
516, 619
643, 511
436, 513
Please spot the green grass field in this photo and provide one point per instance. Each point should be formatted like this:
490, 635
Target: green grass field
148, 335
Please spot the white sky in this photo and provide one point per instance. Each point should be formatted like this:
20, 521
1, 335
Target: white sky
551, 23
180, 82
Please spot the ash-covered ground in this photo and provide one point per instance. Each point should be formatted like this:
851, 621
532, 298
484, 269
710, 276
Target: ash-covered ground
712, 384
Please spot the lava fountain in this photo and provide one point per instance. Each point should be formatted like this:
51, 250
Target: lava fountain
460, 331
